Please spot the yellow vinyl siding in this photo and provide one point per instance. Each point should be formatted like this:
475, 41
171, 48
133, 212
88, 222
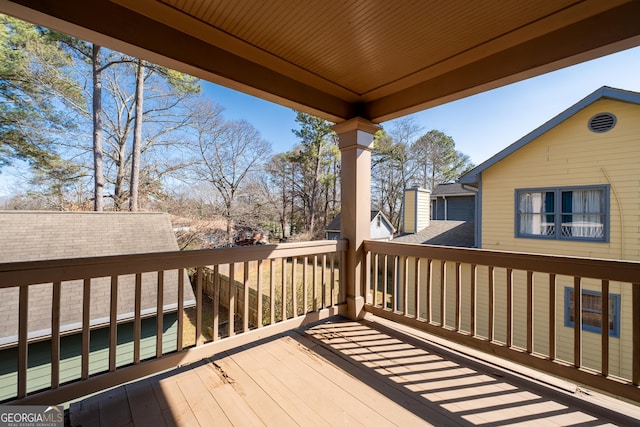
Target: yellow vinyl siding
570, 155
424, 209
409, 216
417, 210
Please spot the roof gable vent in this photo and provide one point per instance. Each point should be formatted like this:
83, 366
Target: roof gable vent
602, 122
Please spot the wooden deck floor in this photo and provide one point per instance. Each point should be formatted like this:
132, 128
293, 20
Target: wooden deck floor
343, 373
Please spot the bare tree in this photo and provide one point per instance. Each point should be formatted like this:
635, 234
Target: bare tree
227, 153
277, 185
393, 168
98, 170
137, 138
315, 156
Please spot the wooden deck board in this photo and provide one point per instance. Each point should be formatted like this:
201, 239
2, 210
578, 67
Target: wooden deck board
235, 407
198, 394
260, 401
401, 408
302, 386
174, 406
292, 404
85, 413
316, 389
114, 408
338, 373
143, 404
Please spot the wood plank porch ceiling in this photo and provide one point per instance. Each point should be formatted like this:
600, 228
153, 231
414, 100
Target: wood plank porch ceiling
341, 59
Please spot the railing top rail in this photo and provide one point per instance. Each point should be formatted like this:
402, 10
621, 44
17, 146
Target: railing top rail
34, 272
603, 269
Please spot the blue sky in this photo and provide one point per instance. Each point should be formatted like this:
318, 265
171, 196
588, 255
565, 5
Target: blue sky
481, 125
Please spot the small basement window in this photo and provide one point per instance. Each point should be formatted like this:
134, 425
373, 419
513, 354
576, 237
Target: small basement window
592, 311
602, 122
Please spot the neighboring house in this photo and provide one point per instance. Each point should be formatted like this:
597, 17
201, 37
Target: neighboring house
571, 188
453, 202
36, 236
418, 228
381, 228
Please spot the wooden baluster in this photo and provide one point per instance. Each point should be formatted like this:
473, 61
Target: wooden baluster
492, 301
272, 292
232, 299
259, 294
180, 314
113, 323
159, 313
23, 334
294, 286
577, 321
86, 328
245, 287
474, 300
416, 284
332, 264
198, 337
283, 291
509, 307
529, 312
305, 285
635, 342
216, 302
394, 283
405, 285
342, 275
552, 316
604, 329
137, 322
315, 286
385, 280
323, 281
458, 298
375, 281
428, 289
55, 335
443, 293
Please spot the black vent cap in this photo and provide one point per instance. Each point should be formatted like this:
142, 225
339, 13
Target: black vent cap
602, 122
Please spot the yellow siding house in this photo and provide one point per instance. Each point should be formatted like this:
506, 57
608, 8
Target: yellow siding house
572, 188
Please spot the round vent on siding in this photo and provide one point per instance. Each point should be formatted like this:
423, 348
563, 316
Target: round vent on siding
602, 122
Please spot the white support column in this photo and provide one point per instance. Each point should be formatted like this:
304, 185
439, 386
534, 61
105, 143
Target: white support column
356, 143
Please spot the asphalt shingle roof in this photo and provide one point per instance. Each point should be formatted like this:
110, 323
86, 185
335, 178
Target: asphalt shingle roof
443, 233
36, 236
451, 189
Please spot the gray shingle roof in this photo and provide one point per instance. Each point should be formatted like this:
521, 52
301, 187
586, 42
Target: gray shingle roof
443, 233
451, 189
35, 236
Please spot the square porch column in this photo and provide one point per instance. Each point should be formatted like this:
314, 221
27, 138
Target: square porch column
355, 142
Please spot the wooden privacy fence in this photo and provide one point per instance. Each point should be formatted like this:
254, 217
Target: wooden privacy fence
521, 307
293, 285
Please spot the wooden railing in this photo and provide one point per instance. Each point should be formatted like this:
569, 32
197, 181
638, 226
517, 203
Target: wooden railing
516, 306
298, 283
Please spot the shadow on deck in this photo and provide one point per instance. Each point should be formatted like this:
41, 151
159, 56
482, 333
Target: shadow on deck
346, 373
